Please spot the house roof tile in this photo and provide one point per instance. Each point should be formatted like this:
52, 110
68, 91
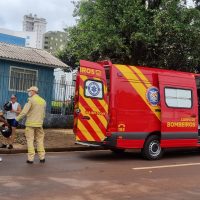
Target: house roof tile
29, 55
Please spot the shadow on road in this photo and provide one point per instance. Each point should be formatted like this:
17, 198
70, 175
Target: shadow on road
107, 155
181, 153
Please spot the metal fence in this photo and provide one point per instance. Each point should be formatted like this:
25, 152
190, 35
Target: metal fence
63, 97
58, 94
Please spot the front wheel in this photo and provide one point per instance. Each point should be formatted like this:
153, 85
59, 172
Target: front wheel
152, 149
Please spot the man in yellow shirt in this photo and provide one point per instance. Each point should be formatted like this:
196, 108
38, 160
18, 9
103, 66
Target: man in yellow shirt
34, 111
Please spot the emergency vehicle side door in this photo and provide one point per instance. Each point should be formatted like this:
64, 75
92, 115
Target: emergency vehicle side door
92, 103
179, 117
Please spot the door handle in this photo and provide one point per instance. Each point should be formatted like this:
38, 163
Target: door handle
86, 117
77, 111
193, 115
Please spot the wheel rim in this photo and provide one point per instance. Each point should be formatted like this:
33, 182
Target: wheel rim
154, 148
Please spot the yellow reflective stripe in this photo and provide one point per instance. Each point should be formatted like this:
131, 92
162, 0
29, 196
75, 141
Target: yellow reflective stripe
93, 107
41, 150
93, 124
34, 123
141, 75
77, 138
139, 87
101, 101
31, 150
84, 131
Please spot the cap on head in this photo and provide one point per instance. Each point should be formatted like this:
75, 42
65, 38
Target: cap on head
13, 96
33, 88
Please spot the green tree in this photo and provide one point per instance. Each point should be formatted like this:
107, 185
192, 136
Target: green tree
156, 33
177, 38
197, 3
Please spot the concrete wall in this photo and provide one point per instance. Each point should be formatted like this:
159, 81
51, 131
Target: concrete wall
58, 121
54, 121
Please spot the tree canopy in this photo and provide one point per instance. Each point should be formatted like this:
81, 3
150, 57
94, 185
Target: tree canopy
157, 33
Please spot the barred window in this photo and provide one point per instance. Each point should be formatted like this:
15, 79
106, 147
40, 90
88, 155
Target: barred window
21, 78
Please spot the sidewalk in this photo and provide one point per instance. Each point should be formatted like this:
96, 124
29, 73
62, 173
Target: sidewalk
56, 140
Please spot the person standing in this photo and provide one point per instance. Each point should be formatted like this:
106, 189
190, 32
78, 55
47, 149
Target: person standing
5, 122
10, 116
34, 111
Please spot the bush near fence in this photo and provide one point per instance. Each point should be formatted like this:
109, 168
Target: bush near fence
59, 107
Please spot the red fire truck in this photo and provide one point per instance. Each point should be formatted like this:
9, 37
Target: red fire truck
128, 107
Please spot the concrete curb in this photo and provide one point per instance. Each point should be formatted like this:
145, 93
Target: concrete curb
73, 148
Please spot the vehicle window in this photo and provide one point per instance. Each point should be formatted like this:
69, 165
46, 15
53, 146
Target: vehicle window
94, 89
178, 98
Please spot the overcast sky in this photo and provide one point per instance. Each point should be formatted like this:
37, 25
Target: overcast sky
58, 13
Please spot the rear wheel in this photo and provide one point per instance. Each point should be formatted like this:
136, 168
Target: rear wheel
152, 149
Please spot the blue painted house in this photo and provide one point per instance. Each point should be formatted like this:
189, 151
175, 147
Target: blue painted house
22, 67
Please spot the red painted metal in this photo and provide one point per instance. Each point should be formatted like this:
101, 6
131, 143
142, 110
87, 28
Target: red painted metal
135, 106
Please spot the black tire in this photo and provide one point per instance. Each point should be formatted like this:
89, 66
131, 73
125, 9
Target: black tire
118, 151
152, 149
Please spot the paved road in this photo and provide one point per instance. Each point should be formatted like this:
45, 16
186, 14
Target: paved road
100, 175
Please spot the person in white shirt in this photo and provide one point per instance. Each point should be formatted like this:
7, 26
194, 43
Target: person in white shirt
10, 116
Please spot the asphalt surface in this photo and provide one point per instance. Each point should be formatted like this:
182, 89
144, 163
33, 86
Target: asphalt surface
101, 175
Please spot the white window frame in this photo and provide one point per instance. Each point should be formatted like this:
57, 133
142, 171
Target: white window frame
22, 68
86, 93
178, 99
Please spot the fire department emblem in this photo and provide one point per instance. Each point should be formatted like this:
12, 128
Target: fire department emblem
94, 89
153, 96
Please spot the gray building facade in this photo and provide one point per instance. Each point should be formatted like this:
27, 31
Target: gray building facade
54, 41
